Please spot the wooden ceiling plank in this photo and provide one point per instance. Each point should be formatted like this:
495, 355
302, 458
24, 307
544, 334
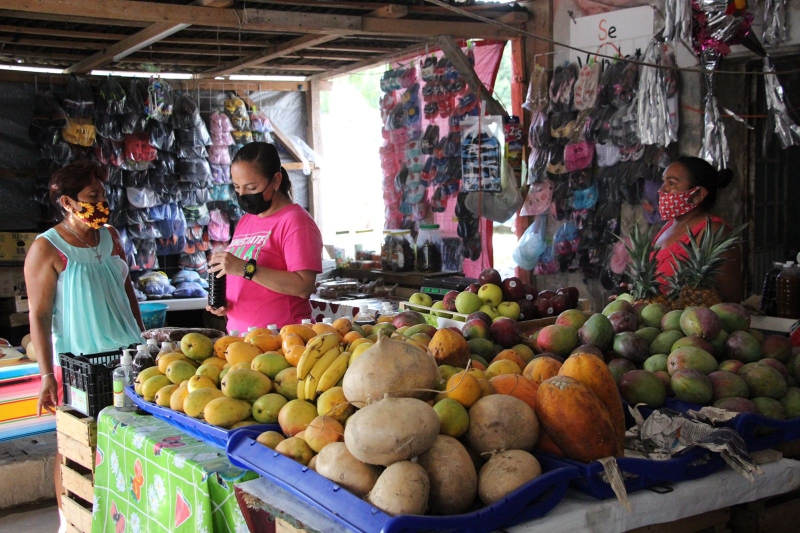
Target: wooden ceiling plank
274, 52
370, 63
139, 40
392, 11
256, 19
76, 19
126, 47
52, 32
154, 12
456, 56
22, 41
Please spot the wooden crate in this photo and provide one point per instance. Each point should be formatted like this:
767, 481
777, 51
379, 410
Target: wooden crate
710, 522
776, 514
77, 443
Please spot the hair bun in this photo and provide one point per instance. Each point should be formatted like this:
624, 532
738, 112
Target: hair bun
724, 177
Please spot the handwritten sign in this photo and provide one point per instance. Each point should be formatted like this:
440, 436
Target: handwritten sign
619, 32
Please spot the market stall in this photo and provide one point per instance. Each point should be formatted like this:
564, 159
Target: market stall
525, 402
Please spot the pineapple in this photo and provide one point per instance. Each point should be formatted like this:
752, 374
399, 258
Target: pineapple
693, 283
643, 265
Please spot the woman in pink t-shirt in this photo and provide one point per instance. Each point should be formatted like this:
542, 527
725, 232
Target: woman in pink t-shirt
276, 250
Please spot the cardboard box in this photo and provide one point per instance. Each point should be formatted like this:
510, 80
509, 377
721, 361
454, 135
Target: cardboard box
14, 245
12, 282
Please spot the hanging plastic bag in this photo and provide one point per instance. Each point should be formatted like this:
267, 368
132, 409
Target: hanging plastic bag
79, 131
537, 97
160, 100
540, 195
259, 121
500, 206
79, 98
586, 86
531, 245
482, 141
186, 113
111, 97
548, 261
162, 136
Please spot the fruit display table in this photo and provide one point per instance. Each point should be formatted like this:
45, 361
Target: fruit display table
151, 477
333, 309
577, 511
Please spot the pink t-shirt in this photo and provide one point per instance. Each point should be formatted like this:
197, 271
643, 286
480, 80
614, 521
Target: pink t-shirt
289, 240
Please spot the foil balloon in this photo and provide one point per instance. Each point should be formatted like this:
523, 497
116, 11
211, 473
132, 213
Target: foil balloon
718, 24
678, 20
778, 111
715, 148
773, 30
655, 122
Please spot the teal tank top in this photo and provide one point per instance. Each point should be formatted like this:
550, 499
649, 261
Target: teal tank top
92, 312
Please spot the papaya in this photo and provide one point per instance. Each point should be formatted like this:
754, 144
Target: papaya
546, 444
592, 372
576, 420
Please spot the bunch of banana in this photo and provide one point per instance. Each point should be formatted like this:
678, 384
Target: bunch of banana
327, 371
315, 349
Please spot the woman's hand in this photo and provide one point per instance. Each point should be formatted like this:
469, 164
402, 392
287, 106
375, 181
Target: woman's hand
48, 395
224, 263
219, 311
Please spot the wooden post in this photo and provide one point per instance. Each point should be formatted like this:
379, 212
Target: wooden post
532, 52
314, 137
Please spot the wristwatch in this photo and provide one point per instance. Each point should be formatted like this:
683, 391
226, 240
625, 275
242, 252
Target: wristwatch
250, 269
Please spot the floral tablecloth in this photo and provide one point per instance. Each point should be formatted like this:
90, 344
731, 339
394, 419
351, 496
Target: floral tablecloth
151, 477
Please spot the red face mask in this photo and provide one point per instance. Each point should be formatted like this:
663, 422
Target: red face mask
675, 204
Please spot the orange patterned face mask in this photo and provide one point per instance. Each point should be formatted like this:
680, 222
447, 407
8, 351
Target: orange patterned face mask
93, 215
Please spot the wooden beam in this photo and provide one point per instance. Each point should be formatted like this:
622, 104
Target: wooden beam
126, 47
274, 52
51, 32
432, 28
48, 43
514, 17
139, 40
314, 136
354, 48
241, 86
391, 11
77, 19
252, 19
370, 63
461, 64
321, 56
154, 12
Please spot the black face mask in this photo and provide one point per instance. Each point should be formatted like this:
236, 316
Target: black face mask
254, 203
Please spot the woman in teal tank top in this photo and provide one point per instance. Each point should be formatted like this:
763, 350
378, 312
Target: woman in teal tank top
80, 295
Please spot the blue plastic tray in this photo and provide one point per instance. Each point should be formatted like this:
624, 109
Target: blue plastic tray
647, 472
533, 500
748, 424
212, 435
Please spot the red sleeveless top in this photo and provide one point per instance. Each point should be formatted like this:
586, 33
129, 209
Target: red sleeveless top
666, 263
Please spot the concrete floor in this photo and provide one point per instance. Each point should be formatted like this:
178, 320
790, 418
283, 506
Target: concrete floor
40, 518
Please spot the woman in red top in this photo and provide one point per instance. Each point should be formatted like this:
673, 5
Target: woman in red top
685, 200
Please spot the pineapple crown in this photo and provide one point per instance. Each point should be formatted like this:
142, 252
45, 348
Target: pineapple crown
703, 260
643, 265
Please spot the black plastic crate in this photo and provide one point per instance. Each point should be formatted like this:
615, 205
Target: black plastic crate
88, 380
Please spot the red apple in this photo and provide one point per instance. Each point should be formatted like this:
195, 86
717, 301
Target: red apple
543, 307
512, 289
560, 303
527, 310
449, 300
490, 275
473, 287
547, 294
530, 292
480, 315
505, 332
572, 292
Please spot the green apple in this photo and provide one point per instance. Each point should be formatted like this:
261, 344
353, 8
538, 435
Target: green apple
420, 298
490, 310
509, 309
440, 305
468, 302
490, 294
